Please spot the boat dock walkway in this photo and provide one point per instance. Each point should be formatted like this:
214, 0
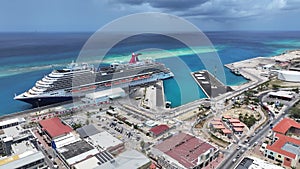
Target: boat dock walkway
210, 85
154, 96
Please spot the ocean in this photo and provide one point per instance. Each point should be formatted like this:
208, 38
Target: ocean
27, 57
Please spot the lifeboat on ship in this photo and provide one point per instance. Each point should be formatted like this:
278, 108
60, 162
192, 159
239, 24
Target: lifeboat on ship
107, 84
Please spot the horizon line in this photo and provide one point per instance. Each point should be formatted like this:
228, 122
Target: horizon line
62, 31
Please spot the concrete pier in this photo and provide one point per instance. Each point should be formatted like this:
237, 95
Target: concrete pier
154, 96
211, 86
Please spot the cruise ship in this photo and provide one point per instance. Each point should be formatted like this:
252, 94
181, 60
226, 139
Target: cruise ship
76, 80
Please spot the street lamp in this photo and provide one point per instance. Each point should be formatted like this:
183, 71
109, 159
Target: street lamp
38, 105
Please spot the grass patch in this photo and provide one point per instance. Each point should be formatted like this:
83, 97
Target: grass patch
267, 118
294, 111
248, 120
219, 141
200, 124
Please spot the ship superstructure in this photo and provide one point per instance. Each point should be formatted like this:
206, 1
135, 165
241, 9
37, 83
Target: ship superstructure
76, 80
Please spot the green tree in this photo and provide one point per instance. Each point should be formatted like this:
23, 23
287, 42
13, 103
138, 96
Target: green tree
295, 112
226, 101
142, 144
88, 114
76, 125
275, 86
267, 85
296, 90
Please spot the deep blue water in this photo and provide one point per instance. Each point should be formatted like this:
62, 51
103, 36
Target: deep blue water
27, 57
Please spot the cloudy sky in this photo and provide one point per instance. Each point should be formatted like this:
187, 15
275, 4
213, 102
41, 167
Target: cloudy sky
90, 15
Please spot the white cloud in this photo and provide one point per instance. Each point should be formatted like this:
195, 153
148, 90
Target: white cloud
277, 4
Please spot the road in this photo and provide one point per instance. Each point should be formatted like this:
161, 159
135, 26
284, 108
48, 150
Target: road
47, 160
228, 162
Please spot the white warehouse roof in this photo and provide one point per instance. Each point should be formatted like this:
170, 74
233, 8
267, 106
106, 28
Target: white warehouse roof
105, 140
107, 93
285, 94
130, 159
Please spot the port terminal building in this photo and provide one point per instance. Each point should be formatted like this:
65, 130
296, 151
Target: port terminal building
104, 95
289, 75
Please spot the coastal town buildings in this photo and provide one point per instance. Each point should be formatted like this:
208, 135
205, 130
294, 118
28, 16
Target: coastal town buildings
104, 141
159, 130
285, 146
28, 160
128, 159
287, 125
11, 122
118, 135
13, 136
18, 147
54, 128
255, 163
87, 131
76, 152
184, 151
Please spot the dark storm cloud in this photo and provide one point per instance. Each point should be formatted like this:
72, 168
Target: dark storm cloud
176, 4
214, 9
131, 2
166, 4
292, 5
218, 9
213, 14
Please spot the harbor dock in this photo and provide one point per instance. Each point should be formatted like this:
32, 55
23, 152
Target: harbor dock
210, 85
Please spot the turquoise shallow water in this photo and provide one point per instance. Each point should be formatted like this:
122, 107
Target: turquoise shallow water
27, 57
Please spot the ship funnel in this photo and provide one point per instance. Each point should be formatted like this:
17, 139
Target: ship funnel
134, 58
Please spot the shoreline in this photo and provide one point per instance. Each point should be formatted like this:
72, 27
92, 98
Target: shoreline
252, 69
248, 69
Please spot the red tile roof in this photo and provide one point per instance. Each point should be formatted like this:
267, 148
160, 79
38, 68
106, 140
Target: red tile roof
54, 127
216, 123
184, 148
152, 166
157, 130
226, 117
280, 142
238, 124
238, 129
216, 119
226, 131
285, 124
221, 126
234, 120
